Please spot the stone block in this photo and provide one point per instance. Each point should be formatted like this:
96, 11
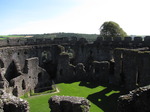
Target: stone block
137, 100
68, 104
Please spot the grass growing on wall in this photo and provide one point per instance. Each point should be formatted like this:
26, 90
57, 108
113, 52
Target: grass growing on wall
102, 99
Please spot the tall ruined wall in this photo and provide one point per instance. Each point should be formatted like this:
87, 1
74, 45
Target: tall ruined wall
87, 52
96, 71
21, 68
132, 68
130, 60
20, 82
20, 54
100, 50
144, 71
114, 42
31, 65
65, 71
100, 71
126, 42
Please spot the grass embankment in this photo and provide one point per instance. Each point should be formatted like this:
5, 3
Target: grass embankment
102, 99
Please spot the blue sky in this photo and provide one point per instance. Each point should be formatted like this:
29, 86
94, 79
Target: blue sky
79, 16
15, 13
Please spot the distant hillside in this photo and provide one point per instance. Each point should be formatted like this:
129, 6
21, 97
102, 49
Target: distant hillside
89, 37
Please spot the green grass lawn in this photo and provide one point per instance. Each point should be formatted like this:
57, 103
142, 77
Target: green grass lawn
11, 36
2, 37
102, 99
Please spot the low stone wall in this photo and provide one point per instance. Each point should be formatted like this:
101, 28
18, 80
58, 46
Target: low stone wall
137, 100
10, 103
68, 104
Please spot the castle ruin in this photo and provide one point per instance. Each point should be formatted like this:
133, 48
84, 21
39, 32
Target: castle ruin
33, 64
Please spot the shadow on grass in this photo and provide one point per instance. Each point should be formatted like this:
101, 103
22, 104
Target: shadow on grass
106, 99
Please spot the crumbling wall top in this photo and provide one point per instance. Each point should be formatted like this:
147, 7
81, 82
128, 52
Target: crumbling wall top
137, 100
68, 104
10, 103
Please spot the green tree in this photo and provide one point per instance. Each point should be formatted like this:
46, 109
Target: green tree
111, 29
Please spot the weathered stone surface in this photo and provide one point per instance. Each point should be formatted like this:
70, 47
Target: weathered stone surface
132, 67
10, 103
65, 71
68, 104
101, 71
31, 64
137, 100
80, 72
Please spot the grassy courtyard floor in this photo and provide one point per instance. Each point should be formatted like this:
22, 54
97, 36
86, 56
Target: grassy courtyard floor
102, 98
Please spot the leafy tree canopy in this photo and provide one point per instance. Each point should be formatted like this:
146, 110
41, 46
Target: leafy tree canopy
111, 29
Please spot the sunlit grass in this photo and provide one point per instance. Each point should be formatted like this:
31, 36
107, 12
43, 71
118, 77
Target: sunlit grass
112, 92
11, 36
99, 96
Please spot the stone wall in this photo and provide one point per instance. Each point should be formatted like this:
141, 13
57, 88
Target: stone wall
32, 78
65, 71
116, 42
23, 68
132, 68
96, 71
91, 52
31, 64
127, 42
100, 71
90, 62
17, 69
10, 103
137, 100
80, 72
69, 104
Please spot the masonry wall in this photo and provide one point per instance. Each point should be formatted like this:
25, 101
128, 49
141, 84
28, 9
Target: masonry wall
65, 71
118, 68
68, 104
21, 72
136, 101
100, 71
126, 42
10, 103
87, 52
144, 69
132, 68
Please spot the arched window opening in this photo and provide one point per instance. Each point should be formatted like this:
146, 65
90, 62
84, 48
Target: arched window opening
40, 77
23, 85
